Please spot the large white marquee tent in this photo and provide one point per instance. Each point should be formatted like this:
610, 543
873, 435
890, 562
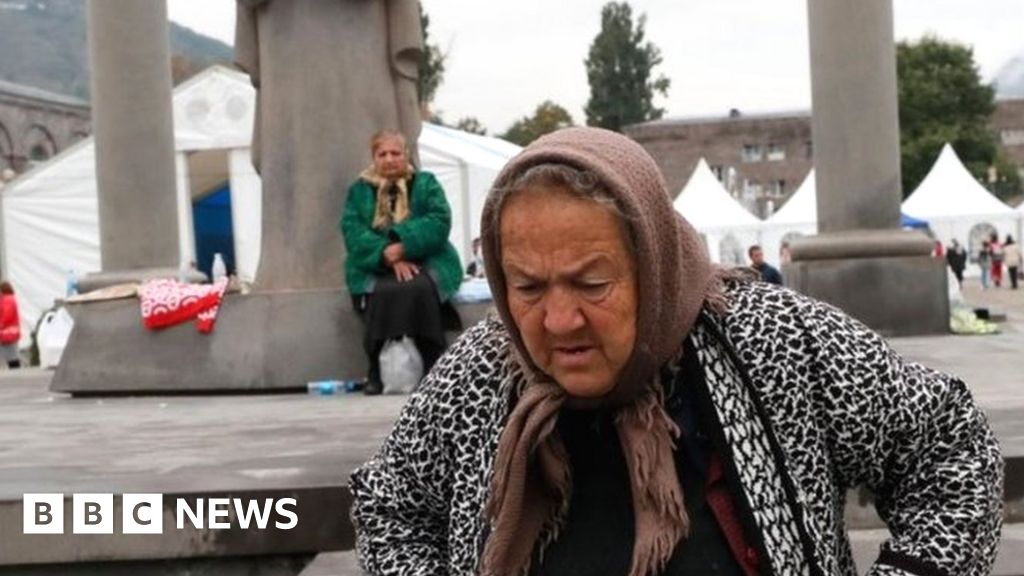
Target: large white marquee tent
797, 217
50, 217
727, 227
956, 206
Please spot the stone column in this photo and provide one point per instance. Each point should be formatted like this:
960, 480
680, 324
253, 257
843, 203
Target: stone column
131, 112
862, 261
855, 124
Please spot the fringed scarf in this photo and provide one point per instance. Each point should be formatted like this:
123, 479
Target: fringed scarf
392, 196
532, 481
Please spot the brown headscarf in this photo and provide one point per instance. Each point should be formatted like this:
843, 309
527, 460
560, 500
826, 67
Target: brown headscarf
532, 482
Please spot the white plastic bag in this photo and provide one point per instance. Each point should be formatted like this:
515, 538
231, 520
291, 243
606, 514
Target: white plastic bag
956, 298
401, 366
52, 336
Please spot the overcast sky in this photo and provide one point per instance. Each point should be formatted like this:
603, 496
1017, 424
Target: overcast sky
504, 58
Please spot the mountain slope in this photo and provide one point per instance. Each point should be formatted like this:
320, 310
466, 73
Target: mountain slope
44, 45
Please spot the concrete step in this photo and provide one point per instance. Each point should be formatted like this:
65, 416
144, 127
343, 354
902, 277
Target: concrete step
334, 564
250, 447
866, 543
1009, 562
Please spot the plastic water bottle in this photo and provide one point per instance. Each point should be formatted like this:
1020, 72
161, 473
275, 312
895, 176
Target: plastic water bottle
71, 287
219, 270
325, 387
333, 387
321, 388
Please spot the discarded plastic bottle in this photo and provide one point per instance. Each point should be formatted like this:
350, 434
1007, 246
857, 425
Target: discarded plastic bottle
71, 287
322, 387
219, 269
332, 387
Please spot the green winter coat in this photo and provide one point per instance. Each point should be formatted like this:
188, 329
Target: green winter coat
424, 234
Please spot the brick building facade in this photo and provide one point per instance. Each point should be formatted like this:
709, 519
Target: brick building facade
1008, 123
762, 158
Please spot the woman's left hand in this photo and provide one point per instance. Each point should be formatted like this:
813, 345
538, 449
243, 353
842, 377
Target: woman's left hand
405, 271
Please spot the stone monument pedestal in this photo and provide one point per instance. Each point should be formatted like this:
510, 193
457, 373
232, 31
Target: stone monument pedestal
887, 279
262, 342
99, 280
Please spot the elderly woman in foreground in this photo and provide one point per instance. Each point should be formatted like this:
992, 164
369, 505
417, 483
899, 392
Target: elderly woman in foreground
636, 411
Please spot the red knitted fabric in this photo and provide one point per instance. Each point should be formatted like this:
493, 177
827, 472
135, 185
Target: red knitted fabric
166, 302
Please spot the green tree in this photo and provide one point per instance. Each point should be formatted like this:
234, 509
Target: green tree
620, 71
942, 99
472, 125
431, 72
548, 117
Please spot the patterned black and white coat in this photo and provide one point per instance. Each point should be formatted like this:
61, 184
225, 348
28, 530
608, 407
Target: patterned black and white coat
812, 403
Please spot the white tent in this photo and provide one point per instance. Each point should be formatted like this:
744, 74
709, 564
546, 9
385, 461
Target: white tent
1020, 223
956, 206
797, 217
466, 165
728, 228
50, 222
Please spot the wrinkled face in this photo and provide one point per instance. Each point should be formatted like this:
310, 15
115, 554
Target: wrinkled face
571, 285
757, 257
389, 158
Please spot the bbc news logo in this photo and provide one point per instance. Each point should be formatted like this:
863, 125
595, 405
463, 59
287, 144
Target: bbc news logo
143, 513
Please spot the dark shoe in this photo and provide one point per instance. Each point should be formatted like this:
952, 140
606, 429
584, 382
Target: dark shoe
373, 387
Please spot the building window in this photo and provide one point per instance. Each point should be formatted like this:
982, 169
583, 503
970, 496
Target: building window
719, 171
1012, 137
751, 153
776, 152
778, 188
809, 149
751, 191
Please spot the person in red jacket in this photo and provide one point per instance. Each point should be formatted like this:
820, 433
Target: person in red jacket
10, 325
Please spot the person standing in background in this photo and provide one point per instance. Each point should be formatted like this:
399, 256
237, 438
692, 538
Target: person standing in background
10, 325
995, 252
785, 254
985, 263
475, 269
768, 272
956, 257
1011, 254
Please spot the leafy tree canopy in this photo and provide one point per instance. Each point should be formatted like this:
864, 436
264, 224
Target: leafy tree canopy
548, 117
620, 71
472, 125
431, 71
942, 99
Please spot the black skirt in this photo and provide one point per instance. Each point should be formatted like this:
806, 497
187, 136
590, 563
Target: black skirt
395, 309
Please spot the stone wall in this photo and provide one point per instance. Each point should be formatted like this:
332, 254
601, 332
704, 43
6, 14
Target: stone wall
35, 125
